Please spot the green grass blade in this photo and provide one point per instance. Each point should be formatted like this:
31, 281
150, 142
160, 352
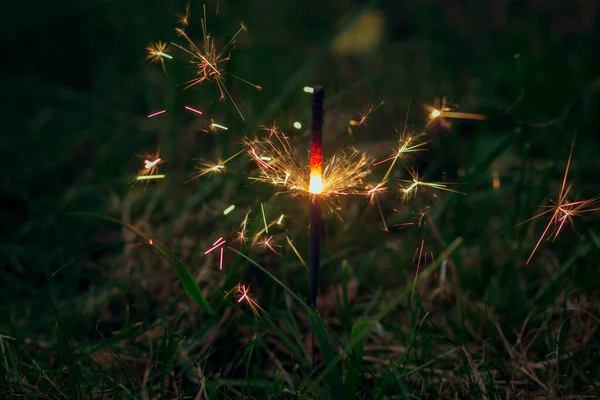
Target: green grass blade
391, 305
355, 360
330, 357
185, 276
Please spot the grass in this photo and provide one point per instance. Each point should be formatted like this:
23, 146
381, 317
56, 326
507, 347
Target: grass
91, 309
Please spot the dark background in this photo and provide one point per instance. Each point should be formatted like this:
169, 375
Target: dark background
76, 92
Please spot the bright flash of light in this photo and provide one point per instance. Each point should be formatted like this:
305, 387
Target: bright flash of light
342, 174
193, 110
315, 186
244, 296
308, 89
156, 54
208, 60
562, 211
415, 183
229, 209
297, 125
157, 113
280, 220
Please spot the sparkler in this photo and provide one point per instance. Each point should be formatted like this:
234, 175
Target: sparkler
209, 61
563, 210
281, 165
315, 189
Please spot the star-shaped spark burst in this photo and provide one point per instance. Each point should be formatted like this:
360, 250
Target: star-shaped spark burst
209, 61
244, 296
562, 211
439, 114
411, 186
157, 54
208, 167
280, 164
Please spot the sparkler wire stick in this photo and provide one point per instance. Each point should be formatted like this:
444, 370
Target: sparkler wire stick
316, 187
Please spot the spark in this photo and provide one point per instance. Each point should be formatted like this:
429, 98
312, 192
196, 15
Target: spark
280, 219
372, 192
379, 188
262, 209
149, 177
308, 89
229, 209
495, 180
365, 114
242, 291
267, 244
407, 143
214, 125
215, 245
415, 183
241, 234
221, 260
157, 54
562, 210
157, 113
208, 167
184, 19
297, 125
150, 169
418, 267
151, 164
439, 113
296, 252
208, 61
193, 110
342, 174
